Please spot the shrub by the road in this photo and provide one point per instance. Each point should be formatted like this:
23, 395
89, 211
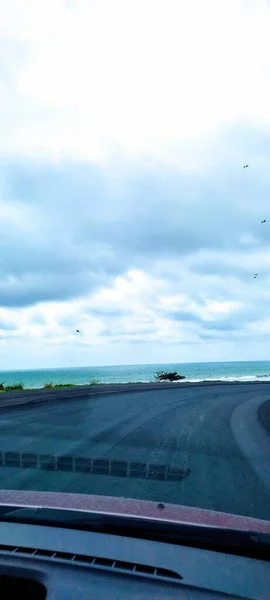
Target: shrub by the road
11, 388
50, 385
94, 381
169, 376
55, 386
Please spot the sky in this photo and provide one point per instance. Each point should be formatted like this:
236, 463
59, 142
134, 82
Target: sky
125, 211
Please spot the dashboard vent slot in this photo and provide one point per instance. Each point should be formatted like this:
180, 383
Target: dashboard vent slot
94, 561
40, 552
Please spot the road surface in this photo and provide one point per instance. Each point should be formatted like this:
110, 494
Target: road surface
179, 445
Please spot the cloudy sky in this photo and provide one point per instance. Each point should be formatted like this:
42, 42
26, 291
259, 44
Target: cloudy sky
125, 211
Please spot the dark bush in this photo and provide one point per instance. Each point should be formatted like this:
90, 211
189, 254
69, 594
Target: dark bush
55, 386
14, 388
168, 376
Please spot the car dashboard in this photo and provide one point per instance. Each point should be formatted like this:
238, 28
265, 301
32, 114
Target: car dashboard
40, 561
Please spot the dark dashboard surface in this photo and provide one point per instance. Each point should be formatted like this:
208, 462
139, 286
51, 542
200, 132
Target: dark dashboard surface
79, 564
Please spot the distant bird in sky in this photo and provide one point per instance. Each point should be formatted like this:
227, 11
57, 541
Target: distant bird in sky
245, 166
255, 275
78, 331
264, 221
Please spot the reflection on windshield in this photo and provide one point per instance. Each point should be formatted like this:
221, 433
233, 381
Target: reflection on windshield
195, 445
102, 466
135, 251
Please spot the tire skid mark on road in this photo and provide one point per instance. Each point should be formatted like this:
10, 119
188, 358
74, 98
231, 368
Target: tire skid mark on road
185, 439
137, 485
160, 412
215, 480
158, 455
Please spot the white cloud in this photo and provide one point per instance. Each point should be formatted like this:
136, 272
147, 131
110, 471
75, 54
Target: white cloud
137, 308
125, 211
129, 292
144, 78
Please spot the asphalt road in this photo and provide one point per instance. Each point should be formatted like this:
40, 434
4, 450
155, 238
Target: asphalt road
185, 445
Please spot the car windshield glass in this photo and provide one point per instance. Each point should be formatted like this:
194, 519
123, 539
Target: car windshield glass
135, 253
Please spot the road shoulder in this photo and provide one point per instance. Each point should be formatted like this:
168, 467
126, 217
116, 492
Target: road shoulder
252, 438
264, 415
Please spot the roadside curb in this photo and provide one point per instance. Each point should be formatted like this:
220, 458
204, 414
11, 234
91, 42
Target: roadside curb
252, 438
45, 396
17, 400
264, 415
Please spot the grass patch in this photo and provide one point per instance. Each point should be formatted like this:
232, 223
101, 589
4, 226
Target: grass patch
16, 387
55, 386
49, 385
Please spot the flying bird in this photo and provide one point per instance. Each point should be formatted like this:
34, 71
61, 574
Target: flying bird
255, 275
77, 330
245, 166
264, 221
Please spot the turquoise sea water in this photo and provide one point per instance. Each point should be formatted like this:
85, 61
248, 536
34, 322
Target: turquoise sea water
223, 371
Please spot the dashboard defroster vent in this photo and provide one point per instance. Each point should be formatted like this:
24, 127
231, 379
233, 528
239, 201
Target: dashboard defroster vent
93, 562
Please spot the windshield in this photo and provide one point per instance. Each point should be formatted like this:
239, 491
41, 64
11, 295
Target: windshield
134, 251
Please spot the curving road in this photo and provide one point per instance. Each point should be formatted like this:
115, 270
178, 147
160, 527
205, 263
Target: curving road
200, 446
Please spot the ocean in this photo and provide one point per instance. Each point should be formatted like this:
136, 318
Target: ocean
193, 372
